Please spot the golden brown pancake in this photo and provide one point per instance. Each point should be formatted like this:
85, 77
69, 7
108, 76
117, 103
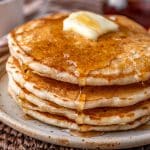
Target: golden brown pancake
95, 116
66, 80
120, 57
73, 96
64, 122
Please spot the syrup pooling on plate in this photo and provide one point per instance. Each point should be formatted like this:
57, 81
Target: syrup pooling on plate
69, 52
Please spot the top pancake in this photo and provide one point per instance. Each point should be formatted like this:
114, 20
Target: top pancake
120, 57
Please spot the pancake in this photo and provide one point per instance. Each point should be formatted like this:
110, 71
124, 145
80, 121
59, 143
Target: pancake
97, 116
66, 123
116, 58
44, 105
73, 96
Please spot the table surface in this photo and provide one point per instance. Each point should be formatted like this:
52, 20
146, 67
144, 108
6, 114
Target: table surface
12, 139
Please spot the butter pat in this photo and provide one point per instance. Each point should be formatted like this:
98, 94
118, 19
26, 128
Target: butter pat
88, 24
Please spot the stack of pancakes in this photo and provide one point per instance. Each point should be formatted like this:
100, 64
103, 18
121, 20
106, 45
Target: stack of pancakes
66, 80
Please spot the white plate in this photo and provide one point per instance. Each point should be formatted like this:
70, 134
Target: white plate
12, 115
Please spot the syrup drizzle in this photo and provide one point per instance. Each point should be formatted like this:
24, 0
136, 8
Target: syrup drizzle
80, 107
82, 81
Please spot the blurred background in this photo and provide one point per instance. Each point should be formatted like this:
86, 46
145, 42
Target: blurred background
24, 10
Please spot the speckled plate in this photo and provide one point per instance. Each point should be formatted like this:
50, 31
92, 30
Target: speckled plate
12, 115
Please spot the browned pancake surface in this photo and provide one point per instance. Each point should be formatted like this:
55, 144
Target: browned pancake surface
100, 113
69, 91
46, 42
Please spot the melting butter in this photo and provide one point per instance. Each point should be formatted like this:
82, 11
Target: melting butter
88, 24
